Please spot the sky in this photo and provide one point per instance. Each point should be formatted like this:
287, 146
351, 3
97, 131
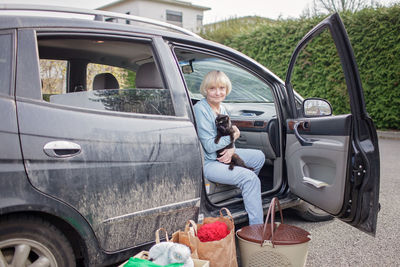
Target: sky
220, 9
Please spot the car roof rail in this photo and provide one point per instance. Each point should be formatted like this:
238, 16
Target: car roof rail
98, 15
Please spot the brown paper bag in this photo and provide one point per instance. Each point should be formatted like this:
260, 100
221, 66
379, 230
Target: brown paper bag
186, 238
221, 253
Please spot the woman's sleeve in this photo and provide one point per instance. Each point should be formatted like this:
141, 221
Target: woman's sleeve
206, 132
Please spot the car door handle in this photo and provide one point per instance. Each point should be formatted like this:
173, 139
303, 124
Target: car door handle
61, 149
316, 183
303, 141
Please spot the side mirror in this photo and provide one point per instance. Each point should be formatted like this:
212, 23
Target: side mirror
316, 107
187, 67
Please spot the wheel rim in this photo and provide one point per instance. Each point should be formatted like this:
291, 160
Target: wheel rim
24, 252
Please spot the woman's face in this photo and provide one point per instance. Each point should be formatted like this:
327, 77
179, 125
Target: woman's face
216, 93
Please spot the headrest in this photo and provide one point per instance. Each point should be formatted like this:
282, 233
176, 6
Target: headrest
105, 81
148, 76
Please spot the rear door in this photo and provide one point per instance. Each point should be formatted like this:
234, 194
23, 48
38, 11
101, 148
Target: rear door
333, 161
125, 158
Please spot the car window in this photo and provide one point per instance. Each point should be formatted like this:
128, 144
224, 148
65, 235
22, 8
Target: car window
102, 74
125, 77
314, 68
53, 75
250, 98
246, 88
5, 62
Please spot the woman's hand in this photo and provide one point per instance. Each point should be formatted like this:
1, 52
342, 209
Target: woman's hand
226, 155
236, 133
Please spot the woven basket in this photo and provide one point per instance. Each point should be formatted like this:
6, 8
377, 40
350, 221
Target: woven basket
273, 244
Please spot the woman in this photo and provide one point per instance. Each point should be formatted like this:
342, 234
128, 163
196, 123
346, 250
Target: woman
215, 87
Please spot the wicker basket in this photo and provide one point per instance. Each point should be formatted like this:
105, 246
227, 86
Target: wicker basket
273, 244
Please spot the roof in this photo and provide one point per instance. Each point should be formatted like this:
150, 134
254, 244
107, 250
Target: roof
172, 2
94, 15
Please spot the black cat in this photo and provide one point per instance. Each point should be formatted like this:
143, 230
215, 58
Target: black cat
224, 128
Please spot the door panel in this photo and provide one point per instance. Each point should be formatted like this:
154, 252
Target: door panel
132, 175
316, 172
344, 171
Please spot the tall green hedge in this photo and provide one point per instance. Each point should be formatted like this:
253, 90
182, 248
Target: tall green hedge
375, 37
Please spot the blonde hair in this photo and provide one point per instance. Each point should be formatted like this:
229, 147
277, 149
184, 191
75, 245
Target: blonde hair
215, 78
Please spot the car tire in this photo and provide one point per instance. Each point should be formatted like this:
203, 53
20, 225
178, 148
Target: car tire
311, 213
31, 240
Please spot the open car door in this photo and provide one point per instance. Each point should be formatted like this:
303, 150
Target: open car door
333, 161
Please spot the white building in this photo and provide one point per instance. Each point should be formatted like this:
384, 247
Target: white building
180, 13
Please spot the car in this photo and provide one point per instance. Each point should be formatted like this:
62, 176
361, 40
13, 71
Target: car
99, 142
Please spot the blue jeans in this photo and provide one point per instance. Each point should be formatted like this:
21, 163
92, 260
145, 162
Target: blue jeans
243, 178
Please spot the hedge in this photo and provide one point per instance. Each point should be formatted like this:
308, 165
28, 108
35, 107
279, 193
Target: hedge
375, 37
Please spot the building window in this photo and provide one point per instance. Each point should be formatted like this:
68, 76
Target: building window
199, 21
174, 17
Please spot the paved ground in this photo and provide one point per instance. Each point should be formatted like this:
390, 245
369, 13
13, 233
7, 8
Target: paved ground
335, 243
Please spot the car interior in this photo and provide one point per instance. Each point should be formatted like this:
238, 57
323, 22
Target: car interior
251, 108
98, 74
113, 75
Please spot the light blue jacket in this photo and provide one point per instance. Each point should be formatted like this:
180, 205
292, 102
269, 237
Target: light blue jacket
207, 131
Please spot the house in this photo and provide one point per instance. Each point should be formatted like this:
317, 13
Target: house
180, 13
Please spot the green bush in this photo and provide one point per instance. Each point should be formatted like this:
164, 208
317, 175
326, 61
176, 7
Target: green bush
375, 37
225, 30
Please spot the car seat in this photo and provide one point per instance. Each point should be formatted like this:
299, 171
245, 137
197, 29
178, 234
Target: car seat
105, 81
219, 192
148, 76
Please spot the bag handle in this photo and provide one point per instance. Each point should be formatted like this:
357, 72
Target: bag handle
271, 212
229, 214
158, 235
190, 236
194, 226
